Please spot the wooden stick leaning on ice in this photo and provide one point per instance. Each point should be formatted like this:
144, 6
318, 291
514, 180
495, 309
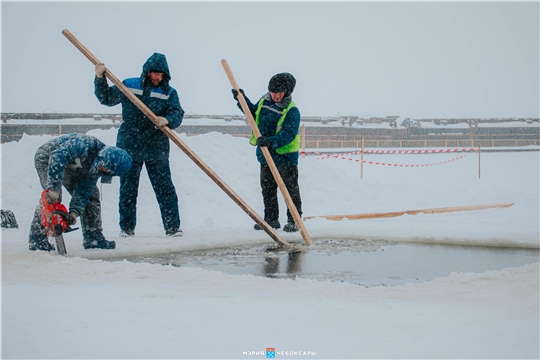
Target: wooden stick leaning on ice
175, 139
410, 212
267, 156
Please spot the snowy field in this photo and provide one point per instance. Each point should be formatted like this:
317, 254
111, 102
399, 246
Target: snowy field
81, 307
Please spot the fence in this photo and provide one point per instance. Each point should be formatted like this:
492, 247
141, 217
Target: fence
14, 133
328, 144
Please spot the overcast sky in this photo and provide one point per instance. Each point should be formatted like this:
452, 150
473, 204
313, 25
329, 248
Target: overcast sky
418, 59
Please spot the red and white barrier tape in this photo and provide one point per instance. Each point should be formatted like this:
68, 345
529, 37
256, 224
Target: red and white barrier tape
427, 151
393, 165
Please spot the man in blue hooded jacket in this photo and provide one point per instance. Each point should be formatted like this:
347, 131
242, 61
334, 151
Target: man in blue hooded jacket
76, 161
278, 120
144, 141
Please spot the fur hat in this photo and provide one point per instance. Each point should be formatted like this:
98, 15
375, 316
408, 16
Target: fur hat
282, 82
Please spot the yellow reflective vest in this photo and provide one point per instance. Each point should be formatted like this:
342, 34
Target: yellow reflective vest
293, 146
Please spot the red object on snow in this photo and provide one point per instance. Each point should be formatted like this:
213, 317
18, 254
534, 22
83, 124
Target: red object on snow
54, 217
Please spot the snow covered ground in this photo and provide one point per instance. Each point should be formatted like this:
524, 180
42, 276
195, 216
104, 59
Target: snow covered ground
83, 307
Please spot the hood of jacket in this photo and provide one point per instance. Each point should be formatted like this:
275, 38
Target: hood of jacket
157, 62
117, 162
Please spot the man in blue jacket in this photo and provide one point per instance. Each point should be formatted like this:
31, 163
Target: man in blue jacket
144, 141
76, 161
278, 120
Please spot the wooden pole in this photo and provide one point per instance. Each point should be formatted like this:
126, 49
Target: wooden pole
479, 162
362, 160
267, 156
175, 139
410, 212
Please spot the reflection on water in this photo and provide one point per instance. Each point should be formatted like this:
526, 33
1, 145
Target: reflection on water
271, 267
363, 262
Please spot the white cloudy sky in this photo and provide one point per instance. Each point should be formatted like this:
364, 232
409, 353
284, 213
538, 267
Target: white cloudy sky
412, 59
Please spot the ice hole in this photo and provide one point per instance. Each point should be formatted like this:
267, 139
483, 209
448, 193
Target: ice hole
363, 262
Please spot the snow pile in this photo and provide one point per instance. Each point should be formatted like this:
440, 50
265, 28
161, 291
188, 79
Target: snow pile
120, 309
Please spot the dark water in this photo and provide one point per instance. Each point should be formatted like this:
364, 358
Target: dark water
362, 262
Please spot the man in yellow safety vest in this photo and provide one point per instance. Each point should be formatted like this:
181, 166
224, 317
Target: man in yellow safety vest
278, 120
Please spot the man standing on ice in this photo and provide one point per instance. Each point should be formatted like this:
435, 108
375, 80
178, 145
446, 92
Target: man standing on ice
144, 141
278, 120
76, 161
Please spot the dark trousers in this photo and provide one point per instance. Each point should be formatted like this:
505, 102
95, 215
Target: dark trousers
159, 173
269, 187
91, 224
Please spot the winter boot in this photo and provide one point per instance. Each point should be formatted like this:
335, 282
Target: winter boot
96, 240
127, 233
174, 232
99, 244
273, 223
41, 245
37, 237
290, 227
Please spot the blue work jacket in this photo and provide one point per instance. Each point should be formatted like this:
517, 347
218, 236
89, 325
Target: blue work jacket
138, 135
74, 154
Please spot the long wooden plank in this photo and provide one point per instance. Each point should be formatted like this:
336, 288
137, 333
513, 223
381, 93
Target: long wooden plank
268, 157
411, 212
175, 139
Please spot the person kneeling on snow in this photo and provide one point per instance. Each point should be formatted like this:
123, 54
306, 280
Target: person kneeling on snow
76, 161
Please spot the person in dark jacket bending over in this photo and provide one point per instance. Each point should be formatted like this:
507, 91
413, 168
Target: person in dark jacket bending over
76, 161
278, 120
144, 140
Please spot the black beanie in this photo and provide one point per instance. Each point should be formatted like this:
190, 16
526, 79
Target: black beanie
283, 82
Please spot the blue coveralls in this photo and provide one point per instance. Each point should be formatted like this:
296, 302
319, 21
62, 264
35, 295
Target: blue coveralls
146, 144
67, 160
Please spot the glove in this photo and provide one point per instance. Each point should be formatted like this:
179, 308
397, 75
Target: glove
52, 196
235, 93
100, 70
264, 141
161, 121
72, 218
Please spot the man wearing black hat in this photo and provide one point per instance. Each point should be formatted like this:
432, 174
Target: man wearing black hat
278, 120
